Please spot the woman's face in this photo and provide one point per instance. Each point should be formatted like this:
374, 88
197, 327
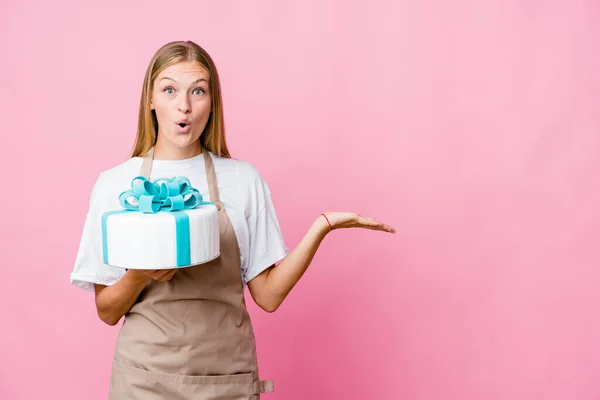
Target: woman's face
182, 103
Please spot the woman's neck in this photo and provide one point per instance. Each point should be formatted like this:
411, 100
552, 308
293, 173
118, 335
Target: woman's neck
163, 151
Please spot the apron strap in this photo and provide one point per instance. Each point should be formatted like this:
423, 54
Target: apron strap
211, 176
146, 168
263, 386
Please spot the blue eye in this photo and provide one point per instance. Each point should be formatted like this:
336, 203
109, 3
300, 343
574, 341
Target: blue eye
198, 89
167, 90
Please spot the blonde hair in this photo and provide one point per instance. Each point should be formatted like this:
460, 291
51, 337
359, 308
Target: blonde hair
213, 137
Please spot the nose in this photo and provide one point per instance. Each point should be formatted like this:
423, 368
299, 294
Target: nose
184, 104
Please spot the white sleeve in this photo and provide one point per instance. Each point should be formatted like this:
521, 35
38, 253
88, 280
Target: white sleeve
89, 266
267, 245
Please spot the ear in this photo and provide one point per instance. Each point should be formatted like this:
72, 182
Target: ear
151, 104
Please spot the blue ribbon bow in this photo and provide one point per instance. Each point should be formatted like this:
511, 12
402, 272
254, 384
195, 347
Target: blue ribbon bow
165, 194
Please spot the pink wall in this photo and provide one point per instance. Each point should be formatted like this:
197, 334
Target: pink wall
471, 127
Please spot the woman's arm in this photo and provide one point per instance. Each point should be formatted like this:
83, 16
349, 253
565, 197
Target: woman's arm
112, 302
272, 286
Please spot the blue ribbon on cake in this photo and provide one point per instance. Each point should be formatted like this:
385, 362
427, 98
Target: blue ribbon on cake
172, 195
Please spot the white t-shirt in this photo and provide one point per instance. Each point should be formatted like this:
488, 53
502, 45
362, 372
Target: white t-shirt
243, 192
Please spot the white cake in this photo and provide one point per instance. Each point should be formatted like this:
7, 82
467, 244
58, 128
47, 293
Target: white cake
162, 238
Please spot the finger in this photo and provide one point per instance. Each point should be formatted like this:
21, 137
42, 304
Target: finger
386, 228
370, 223
389, 229
162, 275
171, 274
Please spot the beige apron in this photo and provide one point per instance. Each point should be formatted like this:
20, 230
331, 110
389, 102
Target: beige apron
190, 337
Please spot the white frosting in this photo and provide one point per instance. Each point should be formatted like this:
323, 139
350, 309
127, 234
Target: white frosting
147, 241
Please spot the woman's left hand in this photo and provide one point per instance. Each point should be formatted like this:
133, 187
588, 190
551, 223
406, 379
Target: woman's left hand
339, 220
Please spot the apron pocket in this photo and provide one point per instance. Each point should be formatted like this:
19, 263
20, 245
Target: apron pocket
130, 383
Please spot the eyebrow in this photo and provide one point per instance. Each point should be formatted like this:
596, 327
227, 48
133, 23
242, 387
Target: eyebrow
196, 81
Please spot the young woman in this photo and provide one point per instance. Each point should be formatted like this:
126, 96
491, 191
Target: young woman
186, 332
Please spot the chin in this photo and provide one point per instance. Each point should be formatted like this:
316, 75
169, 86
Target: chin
183, 141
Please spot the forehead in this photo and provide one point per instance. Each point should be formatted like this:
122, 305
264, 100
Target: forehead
184, 72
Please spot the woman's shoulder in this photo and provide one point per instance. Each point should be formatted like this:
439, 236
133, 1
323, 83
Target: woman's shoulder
243, 170
123, 169
113, 179
246, 179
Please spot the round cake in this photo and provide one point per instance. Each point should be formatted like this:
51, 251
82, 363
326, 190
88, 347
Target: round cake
163, 224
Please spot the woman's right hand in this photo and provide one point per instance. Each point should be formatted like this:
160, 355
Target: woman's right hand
156, 274
114, 301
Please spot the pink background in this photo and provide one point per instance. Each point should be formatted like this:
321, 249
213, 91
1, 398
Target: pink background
471, 127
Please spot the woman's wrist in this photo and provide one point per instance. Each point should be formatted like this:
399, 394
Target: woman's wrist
324, 215
323, 225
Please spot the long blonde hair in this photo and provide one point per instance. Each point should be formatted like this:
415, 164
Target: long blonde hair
213, 137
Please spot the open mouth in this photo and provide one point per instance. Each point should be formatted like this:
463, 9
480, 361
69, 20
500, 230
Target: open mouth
184, 125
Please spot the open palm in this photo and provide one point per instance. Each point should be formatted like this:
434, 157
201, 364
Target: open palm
339, 220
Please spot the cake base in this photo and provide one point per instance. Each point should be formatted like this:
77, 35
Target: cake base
163, 240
